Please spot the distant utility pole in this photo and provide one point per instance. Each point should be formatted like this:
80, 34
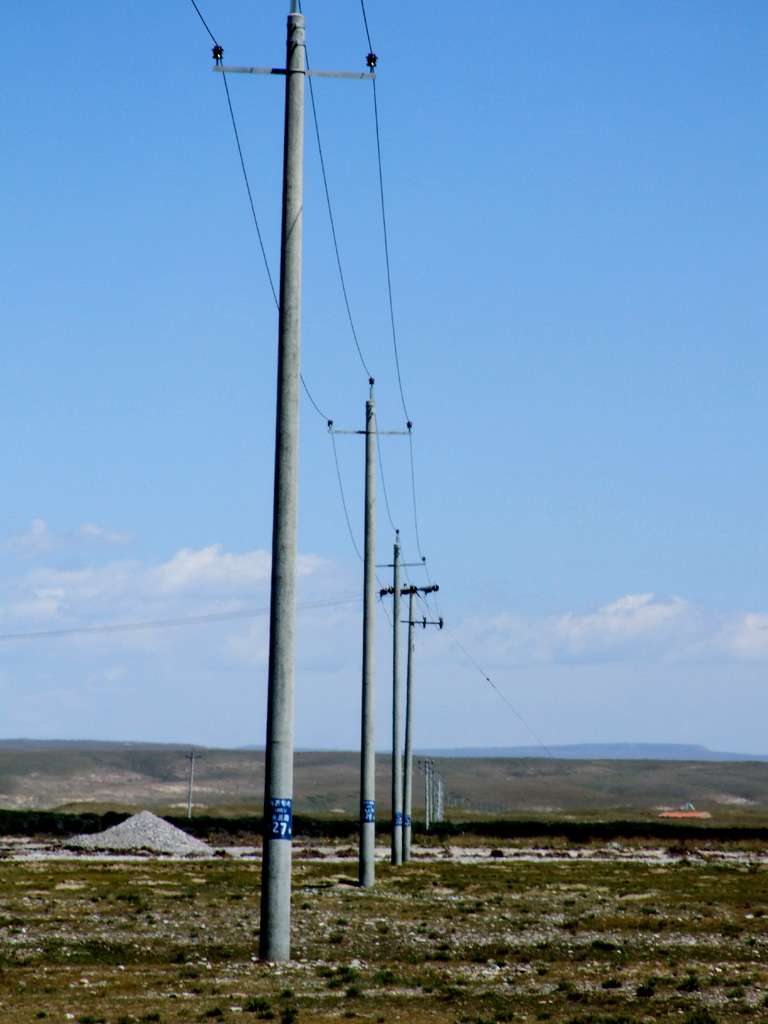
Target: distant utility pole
397, 762
426, 765
191, 758
434, 792
408, 767
439, 808
275, 932
367, 850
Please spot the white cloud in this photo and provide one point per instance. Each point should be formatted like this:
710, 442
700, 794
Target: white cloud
40, 539
746, 636
632, 627
192, 581
630, 618
93, 532
36, 539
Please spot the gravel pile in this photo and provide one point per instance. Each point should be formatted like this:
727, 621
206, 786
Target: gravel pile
144, 831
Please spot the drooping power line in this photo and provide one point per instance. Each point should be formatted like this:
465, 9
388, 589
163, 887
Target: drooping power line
348, 521
214, 40
188, 620
248, 190
251, 203
334, 235
479, 668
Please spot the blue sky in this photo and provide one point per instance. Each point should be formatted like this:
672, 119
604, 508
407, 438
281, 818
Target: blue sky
576, 198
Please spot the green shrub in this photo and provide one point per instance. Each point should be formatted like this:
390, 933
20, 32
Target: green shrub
689, 984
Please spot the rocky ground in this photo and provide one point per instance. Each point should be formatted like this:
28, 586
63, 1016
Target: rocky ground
578, 940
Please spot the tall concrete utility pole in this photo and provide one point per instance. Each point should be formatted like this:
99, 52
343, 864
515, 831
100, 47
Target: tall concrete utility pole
397, 764
274, 941
275, 933
367, 864
408, 759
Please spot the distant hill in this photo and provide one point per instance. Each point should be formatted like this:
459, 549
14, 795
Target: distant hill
617, 779
603, 751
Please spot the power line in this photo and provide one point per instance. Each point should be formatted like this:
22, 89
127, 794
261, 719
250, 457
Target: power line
189, 620
343, 497
272, 288
384, 483
339, 265
214, 40
248, 190
332, 220
365, 22
478, 667
413, 494
387, 260
342, 279
392, 320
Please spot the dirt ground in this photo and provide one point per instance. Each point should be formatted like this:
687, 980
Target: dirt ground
470, 938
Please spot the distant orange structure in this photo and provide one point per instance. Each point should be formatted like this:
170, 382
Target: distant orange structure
685, 814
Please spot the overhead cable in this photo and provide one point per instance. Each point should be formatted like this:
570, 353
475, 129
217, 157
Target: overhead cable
384, 483
250, 194
343, 496
365, 22
270, 278
189, 620
478, 667
387, 260
332, 221
214, 40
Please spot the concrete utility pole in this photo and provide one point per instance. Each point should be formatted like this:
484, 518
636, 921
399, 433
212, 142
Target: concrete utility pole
398, 795
428, 766
275, 934
408, 759
397, 764
408, 766
191, 758
367, 865
434, 792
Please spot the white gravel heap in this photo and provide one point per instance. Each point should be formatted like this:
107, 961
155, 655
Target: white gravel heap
144, 831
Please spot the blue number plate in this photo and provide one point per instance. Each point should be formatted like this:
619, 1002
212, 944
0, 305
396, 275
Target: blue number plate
282, 819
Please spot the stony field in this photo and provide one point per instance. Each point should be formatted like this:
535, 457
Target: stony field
598, 942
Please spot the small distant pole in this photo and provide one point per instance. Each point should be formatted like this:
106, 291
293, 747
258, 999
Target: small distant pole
191, 758
427, 794
408, 780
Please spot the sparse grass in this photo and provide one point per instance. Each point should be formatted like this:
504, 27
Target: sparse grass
433, 942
